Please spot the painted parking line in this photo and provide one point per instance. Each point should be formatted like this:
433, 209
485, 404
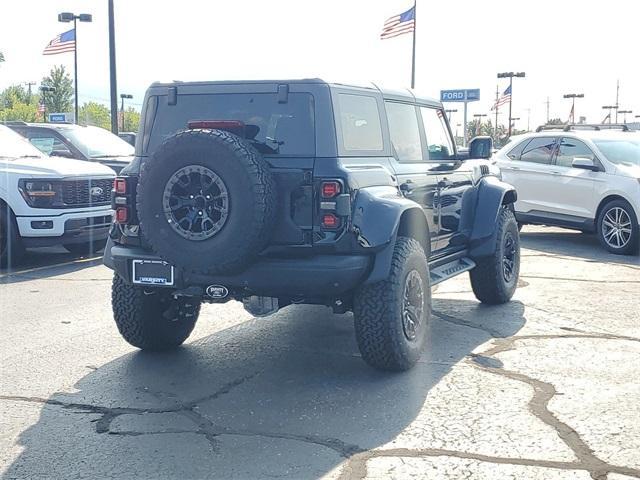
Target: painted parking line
45, 267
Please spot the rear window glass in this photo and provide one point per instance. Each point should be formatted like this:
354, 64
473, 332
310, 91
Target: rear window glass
273, 128
360, 123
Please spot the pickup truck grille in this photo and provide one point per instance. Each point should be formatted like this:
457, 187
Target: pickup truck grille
88, 192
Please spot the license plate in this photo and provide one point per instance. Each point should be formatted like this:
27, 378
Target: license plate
152, 272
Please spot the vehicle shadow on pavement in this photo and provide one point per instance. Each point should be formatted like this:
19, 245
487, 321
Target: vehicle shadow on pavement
45, 263
574, 244
287, 396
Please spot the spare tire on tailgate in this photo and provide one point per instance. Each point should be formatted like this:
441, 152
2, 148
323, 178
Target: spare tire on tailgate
206, 201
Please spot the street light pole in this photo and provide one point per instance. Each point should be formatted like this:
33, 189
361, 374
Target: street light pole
68, 17
510, 76
122, 97
624, 112
573, 97
112, 71
454, 110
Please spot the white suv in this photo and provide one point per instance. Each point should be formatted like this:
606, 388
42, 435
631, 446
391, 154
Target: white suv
48, 201
578, 177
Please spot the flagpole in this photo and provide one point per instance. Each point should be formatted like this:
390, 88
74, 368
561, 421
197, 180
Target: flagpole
413, 54
75, 69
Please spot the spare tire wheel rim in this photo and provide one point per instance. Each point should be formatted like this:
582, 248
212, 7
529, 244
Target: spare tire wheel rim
196, 202
412, 305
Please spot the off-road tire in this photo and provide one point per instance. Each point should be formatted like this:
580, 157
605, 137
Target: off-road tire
85, 248
252, 201
11, 248
633, 244
152, 319
487, 278
378, 312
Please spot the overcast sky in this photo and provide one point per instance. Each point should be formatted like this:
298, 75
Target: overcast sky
563, 46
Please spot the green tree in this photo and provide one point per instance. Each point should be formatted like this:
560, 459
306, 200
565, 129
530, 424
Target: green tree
62, 99
131, 120
96, 114
14, 105
1, 57
12, 95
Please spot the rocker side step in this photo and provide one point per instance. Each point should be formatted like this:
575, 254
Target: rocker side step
451, 269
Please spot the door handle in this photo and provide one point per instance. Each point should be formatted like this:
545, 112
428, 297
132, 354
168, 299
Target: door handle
514, 168
555, 172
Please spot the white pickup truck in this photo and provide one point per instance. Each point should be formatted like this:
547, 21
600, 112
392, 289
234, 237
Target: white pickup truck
46, 201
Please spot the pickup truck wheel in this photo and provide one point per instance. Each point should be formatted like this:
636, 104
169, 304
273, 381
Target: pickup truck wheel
206, 201
618, 228
152, 319
85, 248
495, 278
11, 249
392, 316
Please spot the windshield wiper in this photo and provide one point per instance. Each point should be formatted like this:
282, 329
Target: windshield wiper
30, 156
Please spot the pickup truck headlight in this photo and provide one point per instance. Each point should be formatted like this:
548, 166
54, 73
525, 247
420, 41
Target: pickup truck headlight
41, 193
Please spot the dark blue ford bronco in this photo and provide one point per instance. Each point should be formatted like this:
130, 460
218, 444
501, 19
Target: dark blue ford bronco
275, 193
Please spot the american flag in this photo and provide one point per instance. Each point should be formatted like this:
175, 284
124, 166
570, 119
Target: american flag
65, 42
505, 98
399, 24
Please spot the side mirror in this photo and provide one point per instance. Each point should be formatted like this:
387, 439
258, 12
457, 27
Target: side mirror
61, 153
481, 147
585, 164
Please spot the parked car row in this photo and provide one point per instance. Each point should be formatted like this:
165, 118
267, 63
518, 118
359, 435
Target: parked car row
49, 200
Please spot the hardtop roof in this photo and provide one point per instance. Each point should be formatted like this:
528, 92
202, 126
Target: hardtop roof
395, 94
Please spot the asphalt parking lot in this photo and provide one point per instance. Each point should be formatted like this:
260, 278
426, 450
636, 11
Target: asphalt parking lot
545, 387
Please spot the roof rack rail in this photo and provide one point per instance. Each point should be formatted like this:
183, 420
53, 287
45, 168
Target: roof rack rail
584, 126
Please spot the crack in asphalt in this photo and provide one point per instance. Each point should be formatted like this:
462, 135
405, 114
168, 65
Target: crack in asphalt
543, 392
357, 457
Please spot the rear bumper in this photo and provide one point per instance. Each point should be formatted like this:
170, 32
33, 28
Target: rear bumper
317, 276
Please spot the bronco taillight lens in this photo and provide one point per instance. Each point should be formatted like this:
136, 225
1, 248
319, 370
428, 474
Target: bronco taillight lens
329, 220
330, 189
122, 215
120, 186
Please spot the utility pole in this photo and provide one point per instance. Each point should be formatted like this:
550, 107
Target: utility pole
548, 103
610, 107
29, 85
496, 107
528, 119
128, 97
617, 99
573, 97
510, 76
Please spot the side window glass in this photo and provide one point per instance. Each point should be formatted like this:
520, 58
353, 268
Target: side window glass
360, 123
48, 143
571, 148
514, 153
439, 143
404, 130
539, 150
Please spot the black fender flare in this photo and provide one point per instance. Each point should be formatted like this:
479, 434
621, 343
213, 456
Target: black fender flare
493, 194
377, 216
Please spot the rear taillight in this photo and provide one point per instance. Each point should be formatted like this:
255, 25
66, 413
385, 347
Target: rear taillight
330, 221
122, 215
120, 186
330, 189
